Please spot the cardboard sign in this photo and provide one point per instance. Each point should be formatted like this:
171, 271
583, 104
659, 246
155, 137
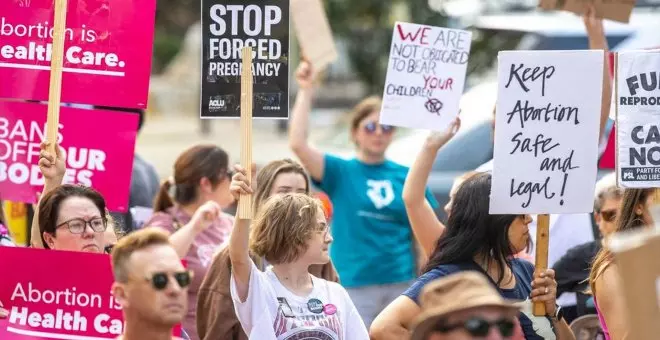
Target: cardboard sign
638, 119
313, 32
53, 299
546, 131
107, 51
425, 76
226, 28
617, 10
98, 147
635, 253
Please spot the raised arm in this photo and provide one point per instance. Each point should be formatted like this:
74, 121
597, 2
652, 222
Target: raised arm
310, 157
425, 225
204, 216
597, 41
53, 169
241, 264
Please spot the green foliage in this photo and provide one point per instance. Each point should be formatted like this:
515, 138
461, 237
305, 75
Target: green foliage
366, 28
166, 46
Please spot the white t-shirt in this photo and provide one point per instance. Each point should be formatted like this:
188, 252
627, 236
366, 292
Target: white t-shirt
272, 312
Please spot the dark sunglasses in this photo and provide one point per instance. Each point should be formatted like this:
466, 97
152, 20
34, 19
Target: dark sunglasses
479, 327
608, 215
160, 280
371, 127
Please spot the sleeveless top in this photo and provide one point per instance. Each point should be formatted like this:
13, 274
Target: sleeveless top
601, 319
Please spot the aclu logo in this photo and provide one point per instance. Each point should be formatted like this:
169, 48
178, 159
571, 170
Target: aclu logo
217, 103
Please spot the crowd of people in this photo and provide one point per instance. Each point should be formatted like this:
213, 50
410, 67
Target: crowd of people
382, 267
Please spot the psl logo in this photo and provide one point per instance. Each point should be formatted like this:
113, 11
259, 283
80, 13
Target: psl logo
380, 193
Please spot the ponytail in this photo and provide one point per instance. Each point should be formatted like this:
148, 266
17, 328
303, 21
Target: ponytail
163, 200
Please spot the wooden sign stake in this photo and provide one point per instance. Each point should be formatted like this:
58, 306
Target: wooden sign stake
245, 203
55, 86
541, 246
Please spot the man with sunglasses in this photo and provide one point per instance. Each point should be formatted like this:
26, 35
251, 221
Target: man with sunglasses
150, 285
572, 269
465, 306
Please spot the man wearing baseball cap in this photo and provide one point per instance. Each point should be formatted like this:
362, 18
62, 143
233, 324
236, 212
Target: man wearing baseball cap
465, 306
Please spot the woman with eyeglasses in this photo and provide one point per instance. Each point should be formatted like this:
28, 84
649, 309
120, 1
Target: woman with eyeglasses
604, 279
216, 317
475, 240
374, 250
189, 206
287, 302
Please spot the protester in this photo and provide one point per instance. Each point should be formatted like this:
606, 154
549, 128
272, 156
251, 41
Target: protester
464, 306
144, 184
474, 240
570, 230
572, 270
374, 248
72, 217
287, 302
216, 317
150, 285
193, 214
604, 279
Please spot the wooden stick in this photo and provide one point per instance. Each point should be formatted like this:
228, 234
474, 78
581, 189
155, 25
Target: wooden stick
56, 64
245, 203
541, 246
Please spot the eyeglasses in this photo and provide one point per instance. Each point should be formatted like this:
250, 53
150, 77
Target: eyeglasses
608, 215
479, 327
160, 280
371, 127
78, 225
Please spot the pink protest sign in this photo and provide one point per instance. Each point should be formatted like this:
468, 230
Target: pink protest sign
60, 295
107, 51
98, 147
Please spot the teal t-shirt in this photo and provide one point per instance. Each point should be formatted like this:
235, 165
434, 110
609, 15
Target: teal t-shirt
373, 242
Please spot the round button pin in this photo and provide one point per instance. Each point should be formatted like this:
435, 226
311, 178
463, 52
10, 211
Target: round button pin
329, 309
315, 306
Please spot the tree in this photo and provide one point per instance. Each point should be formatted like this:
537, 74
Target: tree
366, 27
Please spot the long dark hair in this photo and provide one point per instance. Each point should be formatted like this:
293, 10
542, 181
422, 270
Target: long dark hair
472, 231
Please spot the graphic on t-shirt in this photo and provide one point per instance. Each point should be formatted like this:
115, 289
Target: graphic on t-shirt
304, 324
205, 253
380, 192
541, 324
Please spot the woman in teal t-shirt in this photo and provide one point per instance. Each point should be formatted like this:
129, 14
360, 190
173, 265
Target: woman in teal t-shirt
373, 244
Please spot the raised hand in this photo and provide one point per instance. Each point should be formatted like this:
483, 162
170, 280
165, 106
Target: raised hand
240, 185
438, 139
305, 75
205, 215
52, 166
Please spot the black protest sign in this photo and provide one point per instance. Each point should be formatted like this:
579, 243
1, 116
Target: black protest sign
638, 118
226, 28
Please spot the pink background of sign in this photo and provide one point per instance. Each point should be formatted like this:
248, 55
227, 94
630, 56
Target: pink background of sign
129, 26
112, 132
53, 270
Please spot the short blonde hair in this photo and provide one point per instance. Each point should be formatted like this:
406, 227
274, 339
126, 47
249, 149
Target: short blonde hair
131, 243
283, 226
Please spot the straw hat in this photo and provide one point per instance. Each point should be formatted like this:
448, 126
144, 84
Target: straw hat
454, 293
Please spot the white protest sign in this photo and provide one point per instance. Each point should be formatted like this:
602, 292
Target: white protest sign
638, 119
425, 76
546, 131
